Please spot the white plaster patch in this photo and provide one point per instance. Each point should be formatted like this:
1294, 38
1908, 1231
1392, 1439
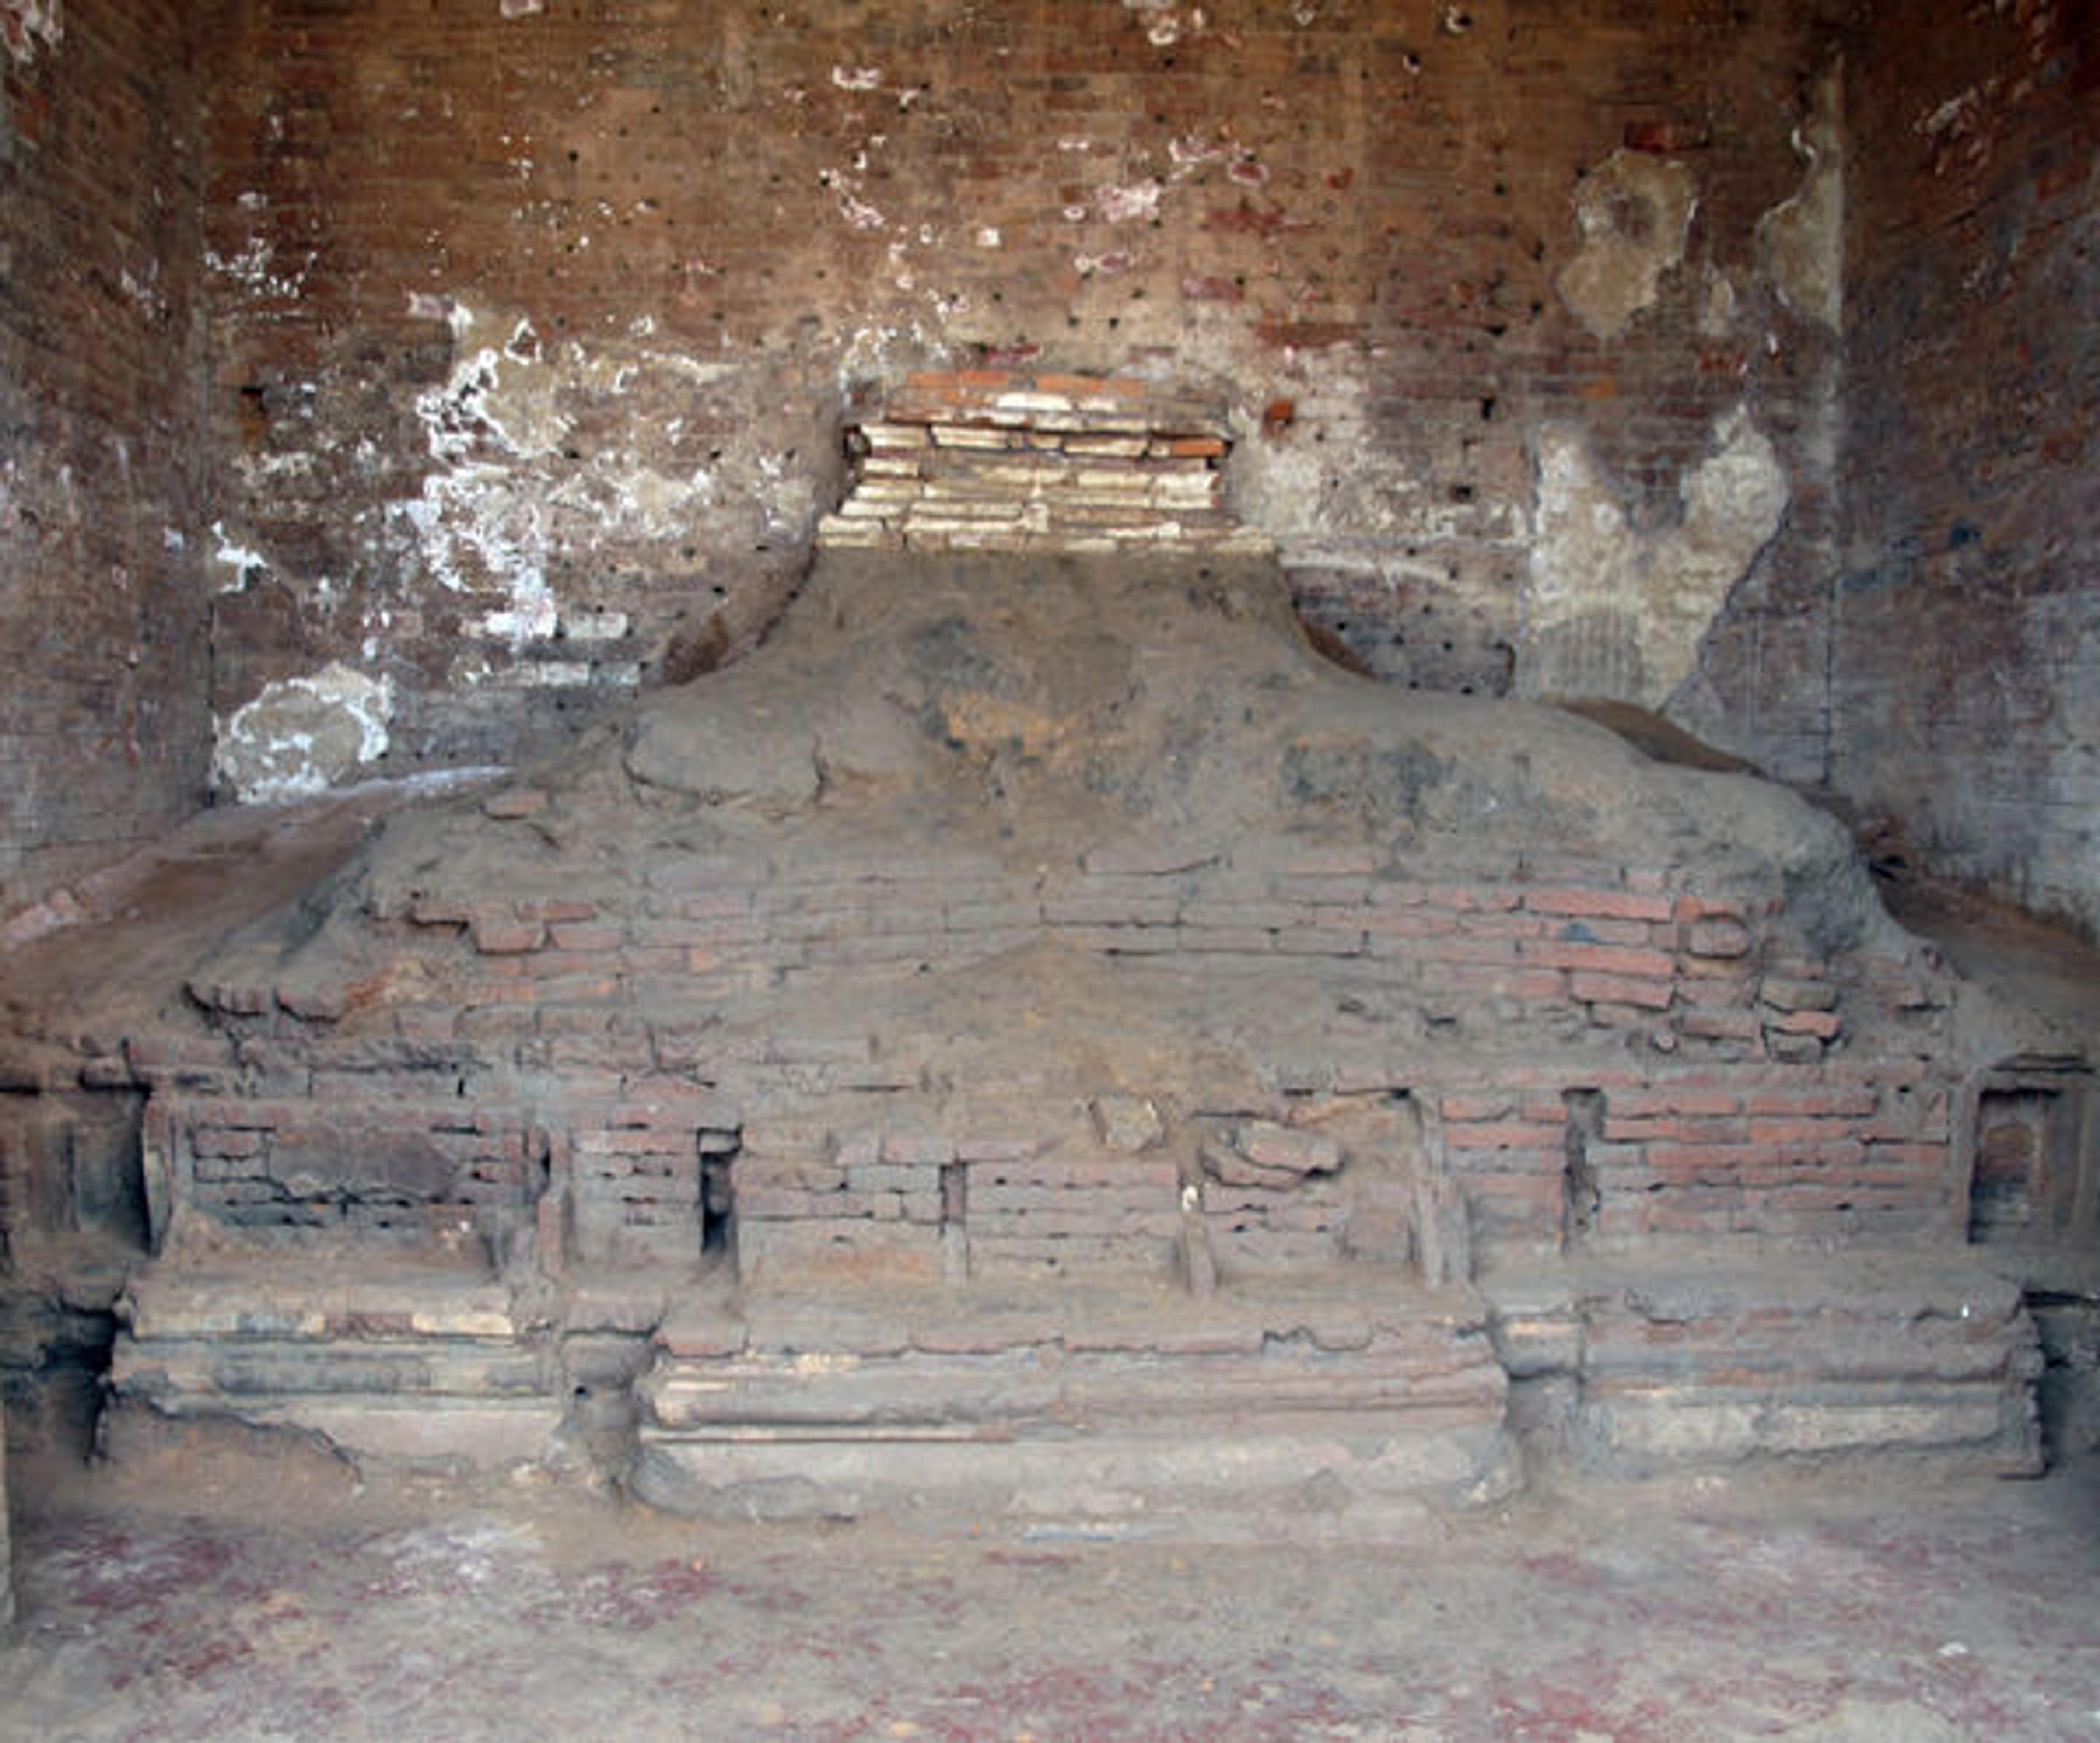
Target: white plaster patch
255, 270
485, 522
1611, 610
303, 735
143, 288
1800, 241
1634, 211
1103, 266
1190, 153
593, 626
1717, 304
240, 558
1130, 203
30, 24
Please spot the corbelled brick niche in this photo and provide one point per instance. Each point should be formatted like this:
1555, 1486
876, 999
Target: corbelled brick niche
1036, 1038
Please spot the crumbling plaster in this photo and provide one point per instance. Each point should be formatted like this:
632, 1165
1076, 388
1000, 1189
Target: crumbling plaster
303, 735
1615, 610
1634, 211
1800, 241
616, 418
28, 26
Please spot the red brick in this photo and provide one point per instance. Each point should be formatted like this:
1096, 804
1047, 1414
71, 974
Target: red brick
1602, 958
505, 935
1824, 1024
1505, 1134
1613, 989
1612, 904
1668, 1098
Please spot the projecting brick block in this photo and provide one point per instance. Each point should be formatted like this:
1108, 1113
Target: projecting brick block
1614, 988
1720, 938
1783, 993
1272, 1147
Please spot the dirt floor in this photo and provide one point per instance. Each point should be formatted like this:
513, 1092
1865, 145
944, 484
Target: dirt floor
254, 1603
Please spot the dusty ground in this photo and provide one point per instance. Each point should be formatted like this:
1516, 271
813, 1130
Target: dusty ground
264, 1605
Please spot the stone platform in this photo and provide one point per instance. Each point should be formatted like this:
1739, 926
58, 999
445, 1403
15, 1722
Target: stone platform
1346, 1401
1663, 1361
410, 1362
1344, 1398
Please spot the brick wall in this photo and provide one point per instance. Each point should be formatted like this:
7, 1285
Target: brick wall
536, 323
1605, 1056
1968, 667
532, 329
104, 731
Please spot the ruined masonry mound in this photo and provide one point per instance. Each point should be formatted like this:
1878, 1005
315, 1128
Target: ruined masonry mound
1020, 968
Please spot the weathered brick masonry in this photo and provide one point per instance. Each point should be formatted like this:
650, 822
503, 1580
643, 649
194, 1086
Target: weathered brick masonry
535, 327
527, 1034
1002, 1037
408, 385
509, 365
104, 714
1968, 676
